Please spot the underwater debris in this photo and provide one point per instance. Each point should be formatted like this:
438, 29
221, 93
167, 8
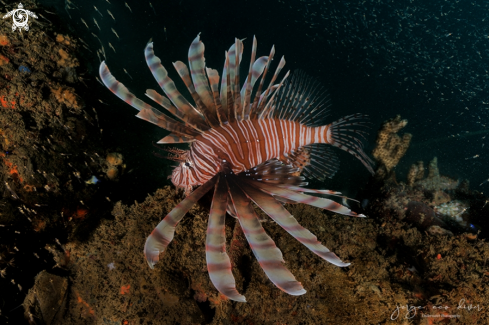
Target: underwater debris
390, 147
24, 69
47, 299
93, 180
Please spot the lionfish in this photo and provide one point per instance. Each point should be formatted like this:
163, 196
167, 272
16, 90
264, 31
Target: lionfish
248, 144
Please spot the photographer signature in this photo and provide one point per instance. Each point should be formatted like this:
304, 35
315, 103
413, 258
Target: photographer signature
411, 310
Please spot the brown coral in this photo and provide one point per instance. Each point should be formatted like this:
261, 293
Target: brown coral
67, 96
3, 60
3, 40
63, 39
390, 147
114, 159
66, 60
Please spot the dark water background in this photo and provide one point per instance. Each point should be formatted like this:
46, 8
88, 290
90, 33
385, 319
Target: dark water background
427, 61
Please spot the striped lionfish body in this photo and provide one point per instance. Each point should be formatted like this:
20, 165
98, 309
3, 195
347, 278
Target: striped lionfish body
247, 149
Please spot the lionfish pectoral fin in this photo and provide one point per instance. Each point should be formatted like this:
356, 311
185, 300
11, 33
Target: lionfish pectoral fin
302, 198
162, 235
263, 247
282, 217
218, 262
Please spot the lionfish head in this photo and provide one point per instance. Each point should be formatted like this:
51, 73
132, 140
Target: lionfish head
182, 176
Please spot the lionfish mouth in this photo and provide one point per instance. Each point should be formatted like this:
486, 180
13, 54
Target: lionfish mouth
270, 183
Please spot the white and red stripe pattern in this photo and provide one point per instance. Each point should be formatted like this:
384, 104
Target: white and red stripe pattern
249, 143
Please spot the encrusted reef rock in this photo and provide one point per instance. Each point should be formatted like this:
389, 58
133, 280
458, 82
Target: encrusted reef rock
50, 145
390, 147
392, 264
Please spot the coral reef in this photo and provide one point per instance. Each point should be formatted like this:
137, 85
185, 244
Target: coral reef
393, 264
435, 181
67, 96
66, 60
48, 144
390, 147
115, 165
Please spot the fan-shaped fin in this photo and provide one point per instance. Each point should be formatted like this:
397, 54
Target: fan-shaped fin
344, 134
304, 100
263, 247
269, 98
302, 198
162, 235
168, 86
275, 172
282, 217
218, 262
322, 162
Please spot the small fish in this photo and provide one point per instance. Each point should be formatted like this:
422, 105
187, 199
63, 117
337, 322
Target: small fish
153, 8
96, 23
98, 11
113, 31
128, 7
103, 102
103, 52
127, 73
166, 38
110, 14
97, 77
108, 1
94, 180
85, 23
112, 47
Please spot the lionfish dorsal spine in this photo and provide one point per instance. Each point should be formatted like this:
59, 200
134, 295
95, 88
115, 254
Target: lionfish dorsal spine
254, 107
200, 80
213, 76
246, 96
223, 113
168, 86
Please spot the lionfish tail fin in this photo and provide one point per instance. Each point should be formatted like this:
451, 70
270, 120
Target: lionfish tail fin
218, 262
162, 235
348, 134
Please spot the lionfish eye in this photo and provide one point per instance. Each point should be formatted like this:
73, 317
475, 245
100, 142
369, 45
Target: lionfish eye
187, 164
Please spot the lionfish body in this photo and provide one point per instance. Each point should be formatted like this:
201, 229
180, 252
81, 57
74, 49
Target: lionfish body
247, 149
